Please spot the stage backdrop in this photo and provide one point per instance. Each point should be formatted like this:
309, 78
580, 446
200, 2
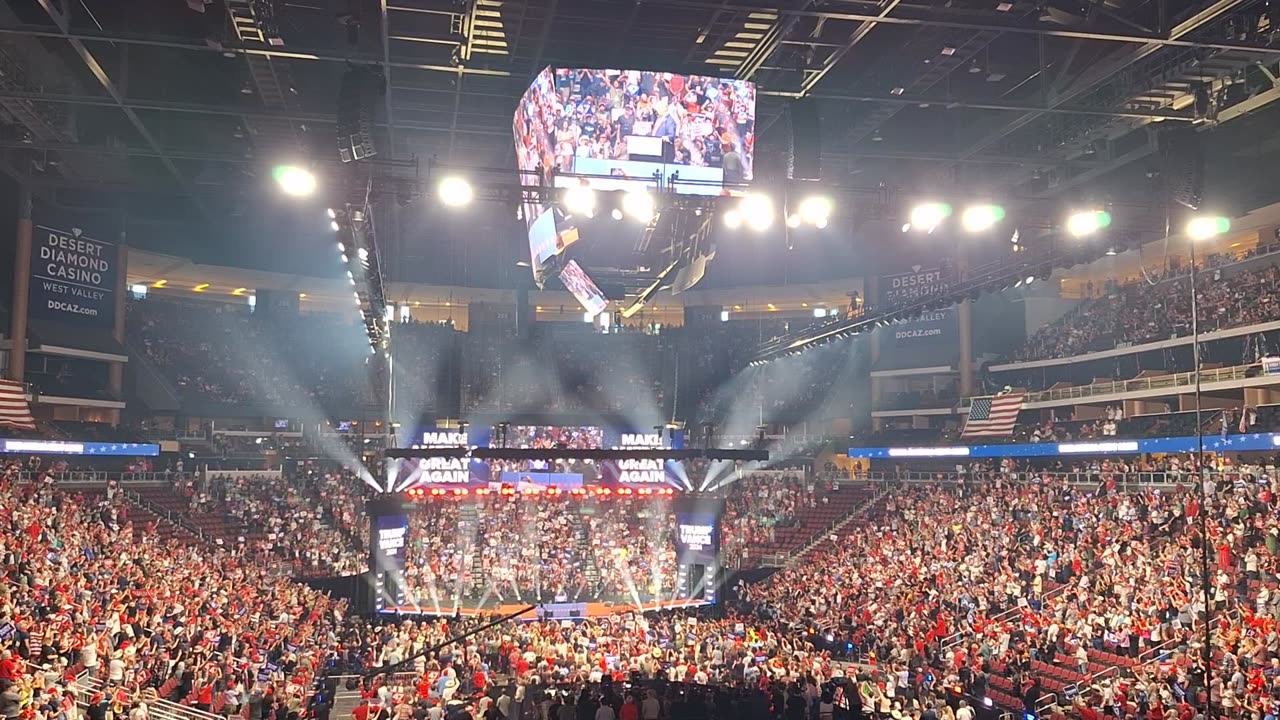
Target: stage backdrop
73, 274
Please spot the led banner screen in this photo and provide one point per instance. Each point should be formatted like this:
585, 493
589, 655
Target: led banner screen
388, 545
435, 472
583, 289
445, 437
1251, 442
697, 547
644, 440
697, 537
73, 276
575, 437
633, 472
523, 480
60, 447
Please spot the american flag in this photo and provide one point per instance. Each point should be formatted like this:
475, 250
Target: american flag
14, 411
993, 416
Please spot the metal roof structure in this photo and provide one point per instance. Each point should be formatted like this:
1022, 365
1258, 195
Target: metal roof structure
174, 110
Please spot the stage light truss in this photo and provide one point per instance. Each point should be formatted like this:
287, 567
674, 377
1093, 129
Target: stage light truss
572, 454
1039, 260
358, 250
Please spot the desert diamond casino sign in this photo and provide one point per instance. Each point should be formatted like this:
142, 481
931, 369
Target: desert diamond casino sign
73, 276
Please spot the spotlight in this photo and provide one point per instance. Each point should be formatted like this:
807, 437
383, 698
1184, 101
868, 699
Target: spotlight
342, 248
616, 214
455, 191
580, 200
757, 211
906, 227
639, 204
981, 217
815, 209
793, 221
929, 215
295, 181
820, 223
1204, 227
333, 214
1030, 279
333, 224
733, 219
1087, 222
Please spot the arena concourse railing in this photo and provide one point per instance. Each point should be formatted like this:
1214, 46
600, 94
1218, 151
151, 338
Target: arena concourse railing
1160, 383
86, 685
171, 517
957, 639
1089, 478
98, 477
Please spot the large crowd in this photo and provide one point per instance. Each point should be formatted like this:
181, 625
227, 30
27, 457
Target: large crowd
218, 353
1144, 311
1008, 580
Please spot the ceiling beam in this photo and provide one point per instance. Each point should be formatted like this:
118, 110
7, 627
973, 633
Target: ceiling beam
180, 43
1107, 69
221, 110
947, 102
386, 77
100, 74
811, 79
543, 34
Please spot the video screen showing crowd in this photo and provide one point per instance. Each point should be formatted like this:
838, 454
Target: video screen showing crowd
585, 536
616, 130
615, 126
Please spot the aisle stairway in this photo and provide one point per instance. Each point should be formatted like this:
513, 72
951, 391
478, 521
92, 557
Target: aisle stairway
814, 523
582, 549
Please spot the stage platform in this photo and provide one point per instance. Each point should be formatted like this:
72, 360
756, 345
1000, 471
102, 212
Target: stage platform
557, 611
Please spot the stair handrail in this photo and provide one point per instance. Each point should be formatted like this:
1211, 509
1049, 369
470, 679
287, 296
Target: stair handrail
171, 517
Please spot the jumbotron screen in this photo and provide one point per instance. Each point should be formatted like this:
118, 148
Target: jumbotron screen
621, 126
613, 129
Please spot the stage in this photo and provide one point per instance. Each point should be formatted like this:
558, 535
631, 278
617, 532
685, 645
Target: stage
555, 611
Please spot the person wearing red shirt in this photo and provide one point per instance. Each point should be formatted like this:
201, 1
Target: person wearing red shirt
629, 710
8, 666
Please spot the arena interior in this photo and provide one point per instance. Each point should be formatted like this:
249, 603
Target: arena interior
640, 360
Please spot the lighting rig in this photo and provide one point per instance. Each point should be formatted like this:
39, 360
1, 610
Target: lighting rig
1082, 237
358, 251
678, 217
520, 454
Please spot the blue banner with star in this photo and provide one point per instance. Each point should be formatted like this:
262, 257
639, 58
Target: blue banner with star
60, 447
1248, 442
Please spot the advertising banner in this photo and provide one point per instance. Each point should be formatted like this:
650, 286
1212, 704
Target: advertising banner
903, 344
73, 276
